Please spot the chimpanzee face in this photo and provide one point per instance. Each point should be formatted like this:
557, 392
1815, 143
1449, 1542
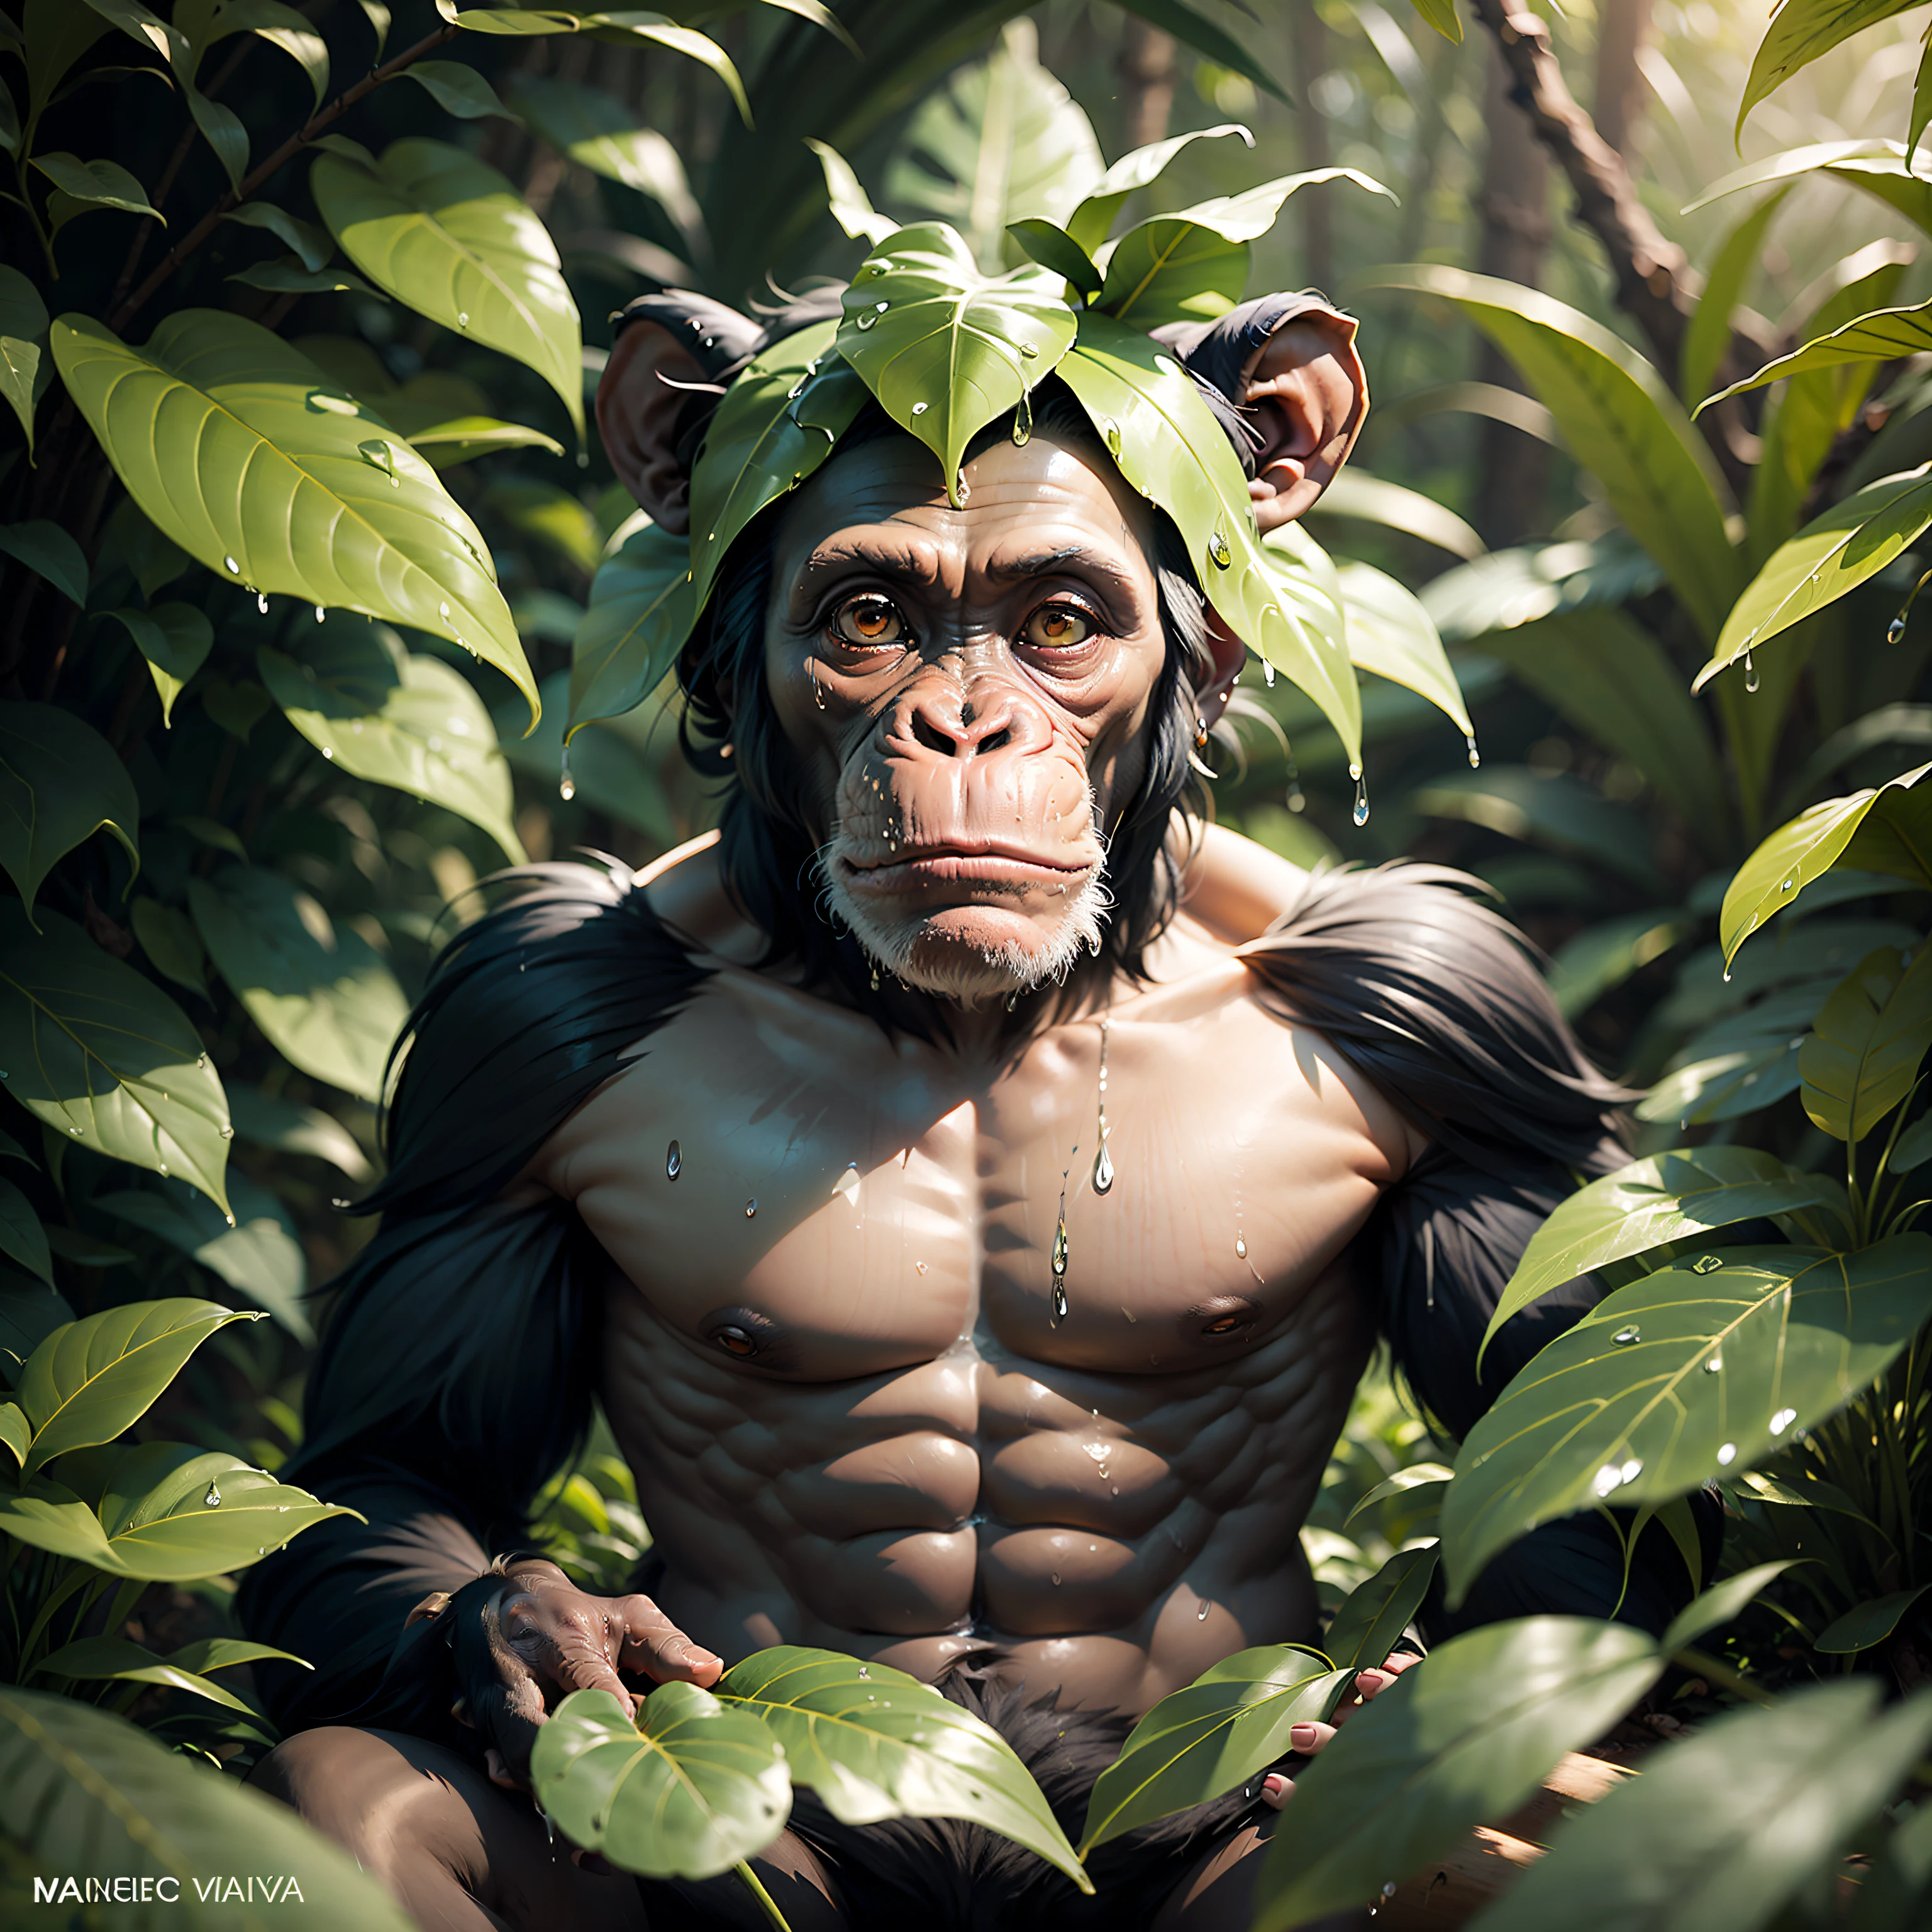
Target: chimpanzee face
967, 690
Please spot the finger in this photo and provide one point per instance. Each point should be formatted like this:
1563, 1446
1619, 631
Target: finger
655, 1646
1403, 1660
1308, 1739
499, 1772
579, 1660
1277, 1788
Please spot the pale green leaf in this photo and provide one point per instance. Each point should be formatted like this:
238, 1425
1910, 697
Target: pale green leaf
176, 639
1801, 32
1707, 338
599, 132
1860, 1058
1442, 15
116, 1660
458, 89
1880, 337
60, 783
850, 206
1417, 1475
1354, 493
15, 1429
1090, 222
1391, 634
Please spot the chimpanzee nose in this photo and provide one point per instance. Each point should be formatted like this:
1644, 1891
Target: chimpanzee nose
954, 723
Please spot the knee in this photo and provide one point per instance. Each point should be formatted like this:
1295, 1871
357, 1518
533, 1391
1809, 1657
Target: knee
374, 1795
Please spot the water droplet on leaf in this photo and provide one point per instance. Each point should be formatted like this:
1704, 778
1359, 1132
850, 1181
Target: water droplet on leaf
1783, 1420
1727, 1453
1475, 756
1624, 1337
673, 1161
1218, 549
1707, 1263
920, 408
213, 1498
1751, 679
750, 1208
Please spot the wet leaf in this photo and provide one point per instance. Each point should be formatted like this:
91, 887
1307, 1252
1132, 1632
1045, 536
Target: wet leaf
1664, 1197
1391, 634
1374, 1615
873, 1743
60, 783
1689, 1373
1090, 223
103, 1057
698, 1789
1212, 1737
440, 230
23, 1239
322, 996
1865, 1045
1464, 1736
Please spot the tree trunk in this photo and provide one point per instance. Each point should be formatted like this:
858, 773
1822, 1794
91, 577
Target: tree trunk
1513, 469
1147, 68
1622, 26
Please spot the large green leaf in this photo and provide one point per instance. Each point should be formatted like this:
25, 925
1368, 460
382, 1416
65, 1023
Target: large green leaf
1860, 1058
103, 1057
49, 551
1089, 223
873, 1743
378, 711
1510, 588
1878, 336
778, 421
1803, 31
25, 368
1589, 963
1690, 1372
321, 994
1878, 167
445, 233
117, 1659
338, 509
1375, 500
1391, 634
1664, 1197
271, 1120
1867, 1625
1372, 1617
1708, 338
93, 1378
945, 349
176, 639
1816, 840
694, 1789
1463, 1738
1552, 808
1832, 554
82, 1791
1169, 447
1620, 421
60, 783
639, 615
1723, 1830
1198, 1743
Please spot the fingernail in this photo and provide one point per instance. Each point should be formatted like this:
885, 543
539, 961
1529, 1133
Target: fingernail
1372, 1680
1303, 1736
1274, 1784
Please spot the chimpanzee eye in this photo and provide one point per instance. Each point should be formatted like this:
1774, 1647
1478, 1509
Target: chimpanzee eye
868, 620
1058, 627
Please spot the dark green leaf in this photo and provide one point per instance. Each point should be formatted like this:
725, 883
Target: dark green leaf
700, 1788
1554, 809
1721, 1604
1465, 1736
1053, 248
49, 551
1193, 30
873, 1743
1803, 31
288, 277
599, 132
310, 244
176, 639
223, 1653
457, 89
21, 1237
96, 1659
1722, 1830
324, 998
552, 518
1425, 1476
1866, 1044
25, 368
1869, 1624
60, 783
1587, 966
28, 1316
271, 1121
172, 946
104, 1058
1212, 1737
82, 185
1664, 1197
1687, 1373
1374, 1615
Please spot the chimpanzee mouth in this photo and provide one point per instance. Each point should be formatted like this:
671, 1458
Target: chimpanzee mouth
990, 864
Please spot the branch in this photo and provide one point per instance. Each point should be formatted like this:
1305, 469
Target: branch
321, 120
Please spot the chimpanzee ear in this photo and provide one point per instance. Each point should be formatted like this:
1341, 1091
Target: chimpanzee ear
1288, 362
662, 378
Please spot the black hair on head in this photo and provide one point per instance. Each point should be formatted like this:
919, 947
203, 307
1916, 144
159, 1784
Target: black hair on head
769, 840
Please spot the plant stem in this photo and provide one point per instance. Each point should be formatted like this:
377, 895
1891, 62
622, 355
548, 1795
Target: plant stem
749, 1879
1709, 1666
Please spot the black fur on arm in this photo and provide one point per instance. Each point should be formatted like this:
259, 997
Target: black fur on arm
455, 1370
1436, 1000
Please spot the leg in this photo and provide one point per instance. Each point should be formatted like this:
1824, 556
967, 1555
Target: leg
463, 1856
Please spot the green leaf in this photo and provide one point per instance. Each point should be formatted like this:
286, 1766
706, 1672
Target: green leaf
463, 439
1880, 167
599, 132
1684, 1375
1416, 1476
439, 230
845, 197
778, 422
49, 551
223, 1653
15, 1429
132, 541
1803, 31
1883, 335
1466, 1735
82, 1790
457, 89
1707, 339
260, 1256
1589, 965
213, 399
1816, 840
1441, 15
114, 1659
326, 1000
1555, 809
269, 1120
28, 1316
1723, 1829
397, 719
82, 185
639, 617
288, 277
1868, 1624
1859, 1061
1053, 248
1192, 30
21, 1237
1914, 1146
224, 131
698, 1789
1721, 1604
1354, 493
1391, 634
1374, 1615
1509, 589
1620, 422
103, 1057
873, 1743
1090, 223
176, 639
1168, 446
945, 349
95, 1378
1723, 1086
1212, 1737
551, 517
60, 783
25, 368
172, 946
1664, 1197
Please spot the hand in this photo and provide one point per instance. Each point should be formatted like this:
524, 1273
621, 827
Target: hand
546, 1638
1277, 1788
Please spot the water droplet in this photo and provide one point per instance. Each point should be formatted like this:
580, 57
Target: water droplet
1714, 1365
1218, 549
319, 613
1103, 1170
1055, 1575
1241, 1247
1707, 1263
864, 1671
1267, 673
234, 568
866, 319
1624, 1337
1607, 1478
960, 490
228, 1133
213, 1498
1783, 1420
261, 604
848, 1184
920, 408
1632, 1470
673, 1161
1360, 814
462, 321
1201, 1610
1029, 351
1059, 1247
1388, 1890
75, 1132
1727, 1453
1895, 629
1475, 756
1751, 679
750, 1208
1059, 1302
1110, 430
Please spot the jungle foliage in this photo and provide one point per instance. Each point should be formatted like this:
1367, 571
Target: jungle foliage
308, 557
